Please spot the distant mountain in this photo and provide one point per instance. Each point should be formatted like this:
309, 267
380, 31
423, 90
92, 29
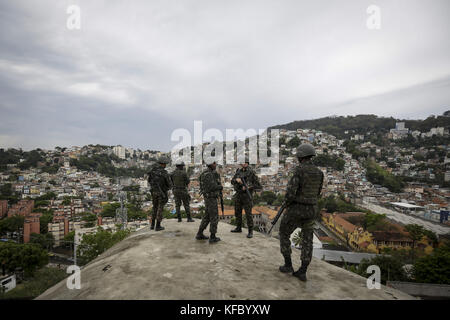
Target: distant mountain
364, 123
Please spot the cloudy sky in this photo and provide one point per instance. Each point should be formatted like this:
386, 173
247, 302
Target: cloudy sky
137, 70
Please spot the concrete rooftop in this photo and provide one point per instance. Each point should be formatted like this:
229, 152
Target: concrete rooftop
171, 264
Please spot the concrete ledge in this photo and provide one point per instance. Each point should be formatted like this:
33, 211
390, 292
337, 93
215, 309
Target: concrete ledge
171, 264
422, 289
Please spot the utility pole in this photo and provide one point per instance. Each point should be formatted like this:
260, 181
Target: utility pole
75, 249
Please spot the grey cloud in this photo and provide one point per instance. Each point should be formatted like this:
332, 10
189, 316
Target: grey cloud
139, 69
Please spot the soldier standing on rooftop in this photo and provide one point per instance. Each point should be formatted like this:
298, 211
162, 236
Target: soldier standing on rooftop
303, 191
210, 187
160, 184
244, 176
180, 181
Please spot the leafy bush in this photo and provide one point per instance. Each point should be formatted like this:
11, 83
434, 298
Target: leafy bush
27, 256
31, 288
434, 268
93, 245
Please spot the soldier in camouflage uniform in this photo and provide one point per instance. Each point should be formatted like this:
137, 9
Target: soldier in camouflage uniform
241, 197
210, 187
180, 181
160, 184
303, 191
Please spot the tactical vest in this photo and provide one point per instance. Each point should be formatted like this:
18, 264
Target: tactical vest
311, 183
207, 193
178, 179
156, 179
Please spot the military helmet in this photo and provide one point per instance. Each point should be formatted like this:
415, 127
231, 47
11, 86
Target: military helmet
305, 150
209, 161
246, 158
179, 163
163, 159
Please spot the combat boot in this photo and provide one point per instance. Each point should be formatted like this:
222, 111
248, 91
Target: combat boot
152, 226
201, 236
237, 229
158, 226
179, 219
287, 265
213, 238
301, 273
250, 233
189, 219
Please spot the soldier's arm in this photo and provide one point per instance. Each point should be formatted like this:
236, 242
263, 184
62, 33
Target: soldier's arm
187, 179
293, 186
321, 185
256, 185
168, 181
218, 182
211, 183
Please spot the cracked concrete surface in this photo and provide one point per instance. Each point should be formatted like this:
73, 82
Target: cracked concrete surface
171, 264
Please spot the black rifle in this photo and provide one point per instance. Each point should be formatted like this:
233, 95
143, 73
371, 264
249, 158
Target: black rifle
279, 213
246, 189
221, 203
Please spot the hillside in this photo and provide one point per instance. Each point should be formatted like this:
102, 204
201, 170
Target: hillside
362, 124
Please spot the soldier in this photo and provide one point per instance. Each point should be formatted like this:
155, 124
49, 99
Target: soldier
180, 181
242, 198
303, 191
210, 187
160, 184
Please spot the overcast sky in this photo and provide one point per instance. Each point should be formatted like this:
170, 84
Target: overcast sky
137, 70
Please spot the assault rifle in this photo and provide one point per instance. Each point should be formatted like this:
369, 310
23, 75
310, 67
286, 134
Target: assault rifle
246, 189
279, 213
221, 203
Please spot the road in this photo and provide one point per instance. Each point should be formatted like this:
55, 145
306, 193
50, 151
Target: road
404, 219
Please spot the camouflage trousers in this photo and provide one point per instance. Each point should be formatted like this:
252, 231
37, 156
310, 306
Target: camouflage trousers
211, 216
182, 197
298, 216
243, 202
159, 201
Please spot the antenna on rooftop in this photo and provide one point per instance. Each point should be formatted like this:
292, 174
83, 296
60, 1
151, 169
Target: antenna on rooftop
121, 213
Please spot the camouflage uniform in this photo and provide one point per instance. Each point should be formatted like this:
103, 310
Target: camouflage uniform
211, 187
241, 198
160, 184
180, 181
303, 190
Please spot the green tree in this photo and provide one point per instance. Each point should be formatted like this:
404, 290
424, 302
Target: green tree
69, 239
67, 201
268, 196
373, 221
415, 233
11, 224
89, 218
434, 268
109, 210
44, 220
28, 256
390, 267
293, 143
47, 196
93, 245
46, 240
